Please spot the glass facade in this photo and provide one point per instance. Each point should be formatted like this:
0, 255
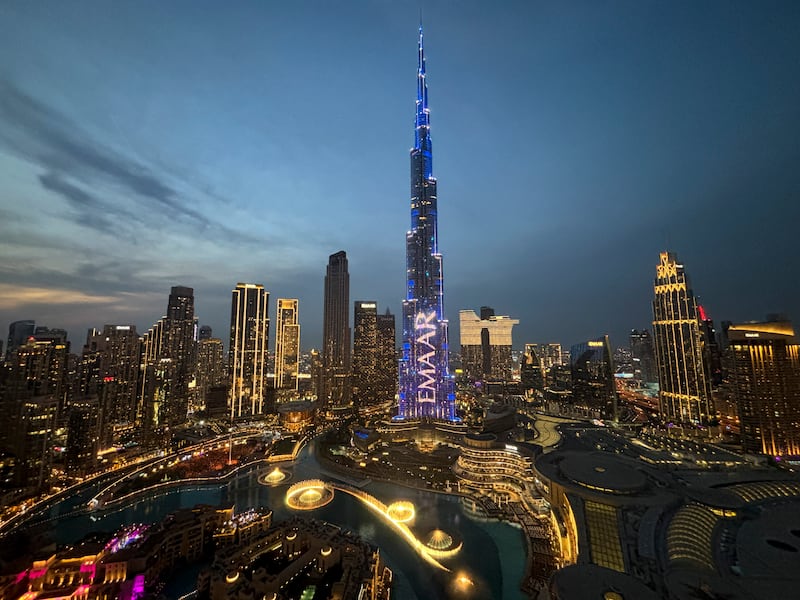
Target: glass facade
684, 390
426, 389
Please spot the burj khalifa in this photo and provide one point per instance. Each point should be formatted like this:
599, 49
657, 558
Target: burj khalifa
426, 388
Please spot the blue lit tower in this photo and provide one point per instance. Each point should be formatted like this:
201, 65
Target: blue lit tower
426, 390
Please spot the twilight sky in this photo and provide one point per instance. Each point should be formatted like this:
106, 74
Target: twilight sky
148, 144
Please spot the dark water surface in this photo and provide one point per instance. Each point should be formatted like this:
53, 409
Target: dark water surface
493, 555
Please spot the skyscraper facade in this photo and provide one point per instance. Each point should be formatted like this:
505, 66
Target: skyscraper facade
34, 393
114, 356
766, 379
18, 334
592, 372
643, 356
365, 348
248, 349
486, 343
287, 344
336, 333
386, 358
684, 390
426, 389
179, 347
211, 369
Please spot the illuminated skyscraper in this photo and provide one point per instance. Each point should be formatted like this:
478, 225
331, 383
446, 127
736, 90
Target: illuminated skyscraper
336, 333
426, 389
211, 370
684, 389
179, 347
386, 358
365, 347
766, 378
248, 349
33, 393
114, 358
287, 345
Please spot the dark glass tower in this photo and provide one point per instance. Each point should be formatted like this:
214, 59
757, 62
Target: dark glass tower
336, 333
426, 390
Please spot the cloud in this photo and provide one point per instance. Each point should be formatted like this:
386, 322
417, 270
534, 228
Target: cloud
73, 161
14, 297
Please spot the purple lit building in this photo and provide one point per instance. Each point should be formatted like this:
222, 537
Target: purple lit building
426, 389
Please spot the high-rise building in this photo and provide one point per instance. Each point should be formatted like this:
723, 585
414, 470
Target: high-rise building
643, 355
712, 354
287, 344
592, 373
206, 333
365, 349
386, 358
211, 371
684, 390
18, 334
113, 360
179, 347
426, 388
336, 333
34, 392
248, 349
486, 344
532, 372
766, 380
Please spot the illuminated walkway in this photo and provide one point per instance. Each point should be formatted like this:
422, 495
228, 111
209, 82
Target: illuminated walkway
301, 496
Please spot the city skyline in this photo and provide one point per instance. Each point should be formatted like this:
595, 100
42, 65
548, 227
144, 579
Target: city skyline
120, 183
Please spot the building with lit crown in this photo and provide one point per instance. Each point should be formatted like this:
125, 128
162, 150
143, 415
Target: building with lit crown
426, 389
248, 349
684, 389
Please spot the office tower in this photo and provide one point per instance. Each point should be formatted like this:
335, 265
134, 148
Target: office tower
248, 349
712, 355
550, 355
80, 457
592, 372
426, 389
336, 333
179, 347
684, 390
316, 368
486, 344
34, 391
643, 355
211, 371
154, 378
386, 358
110, 366
287, 345
206, 333
365, 350
18, 334
532, 372
766, 381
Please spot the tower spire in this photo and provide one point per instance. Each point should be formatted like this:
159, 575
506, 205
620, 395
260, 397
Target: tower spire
423, 114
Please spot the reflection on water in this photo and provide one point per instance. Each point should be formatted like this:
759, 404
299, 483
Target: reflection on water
493, 555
